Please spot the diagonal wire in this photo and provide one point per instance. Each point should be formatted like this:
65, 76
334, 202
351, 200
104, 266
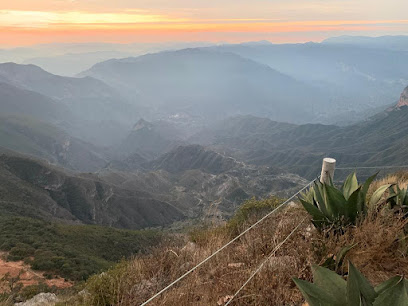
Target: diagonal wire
265, 261
371, 167
226, 245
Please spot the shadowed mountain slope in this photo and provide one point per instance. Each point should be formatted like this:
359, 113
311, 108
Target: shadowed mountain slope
33, 189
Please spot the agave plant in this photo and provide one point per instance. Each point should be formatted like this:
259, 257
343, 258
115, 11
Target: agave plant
398, 197
335, 262
330, 289
330, 206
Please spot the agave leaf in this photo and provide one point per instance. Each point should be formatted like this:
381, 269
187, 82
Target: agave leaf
350, 185
403, 197
392, 197
331, 283
393, 296
342, 254
355, 205
323, 209
320, 197
387, 284
336, 202
367, 185
358, 288
318, 217
377, 195
314, 295
329, 263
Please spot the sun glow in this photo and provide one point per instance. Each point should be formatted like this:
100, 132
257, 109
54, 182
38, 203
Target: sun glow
41, 19
23, 23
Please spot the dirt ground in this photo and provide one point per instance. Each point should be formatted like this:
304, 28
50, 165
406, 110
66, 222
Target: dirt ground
28, 276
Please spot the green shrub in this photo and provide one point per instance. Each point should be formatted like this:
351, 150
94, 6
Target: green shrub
330, 289
335, 208
72, 251
251, 208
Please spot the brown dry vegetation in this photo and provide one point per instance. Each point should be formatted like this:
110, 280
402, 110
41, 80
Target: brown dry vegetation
380, 252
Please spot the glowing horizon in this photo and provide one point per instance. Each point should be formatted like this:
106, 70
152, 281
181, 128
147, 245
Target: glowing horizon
48, 21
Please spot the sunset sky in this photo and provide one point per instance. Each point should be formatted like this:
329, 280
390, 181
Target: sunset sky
27, 22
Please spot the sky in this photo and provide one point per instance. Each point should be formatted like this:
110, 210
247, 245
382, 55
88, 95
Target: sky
29, 22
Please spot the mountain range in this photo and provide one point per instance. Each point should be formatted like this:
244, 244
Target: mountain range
208, 140
208, 84
380, 140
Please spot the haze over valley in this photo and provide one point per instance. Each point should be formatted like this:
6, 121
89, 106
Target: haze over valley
170, 152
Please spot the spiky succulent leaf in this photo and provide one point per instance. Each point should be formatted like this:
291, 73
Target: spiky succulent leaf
350, 185
318, 217
321, 197
387, 284
335, 201
354, 206
314, 295
331, 283
394, 295
377, 195
342, 254
359, 290
367, 185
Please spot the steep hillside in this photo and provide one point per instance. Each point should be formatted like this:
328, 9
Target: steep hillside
150, 140
379, 141
33, 189
266, 265
15, 100
98, 112
201, 182
193, 157
403, 101
46, 141
213, 85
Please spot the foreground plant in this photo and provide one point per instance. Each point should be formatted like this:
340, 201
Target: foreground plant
330, 289
333, 207
398, 197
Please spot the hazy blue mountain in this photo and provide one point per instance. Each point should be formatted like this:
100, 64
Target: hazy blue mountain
87, 98
71, 64
19, 101
208, 84
36, 138
151, 140
399, 42
91, 109
353, 78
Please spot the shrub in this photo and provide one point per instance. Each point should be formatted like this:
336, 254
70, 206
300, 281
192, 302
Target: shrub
251, 209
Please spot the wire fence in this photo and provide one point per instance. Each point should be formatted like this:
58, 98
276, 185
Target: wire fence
227, 244
259, 268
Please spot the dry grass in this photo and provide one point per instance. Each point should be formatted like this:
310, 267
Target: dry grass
225, 273
380, 253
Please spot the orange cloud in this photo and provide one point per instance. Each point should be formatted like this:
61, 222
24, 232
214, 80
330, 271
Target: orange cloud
31, 27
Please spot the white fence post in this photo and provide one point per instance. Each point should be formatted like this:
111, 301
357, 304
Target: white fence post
328, 167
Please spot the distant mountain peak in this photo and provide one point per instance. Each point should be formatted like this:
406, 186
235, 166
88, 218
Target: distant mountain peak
141, 124
403, 101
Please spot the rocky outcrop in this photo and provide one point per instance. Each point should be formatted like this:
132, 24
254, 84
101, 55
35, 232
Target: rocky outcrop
42, 299
403, 101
